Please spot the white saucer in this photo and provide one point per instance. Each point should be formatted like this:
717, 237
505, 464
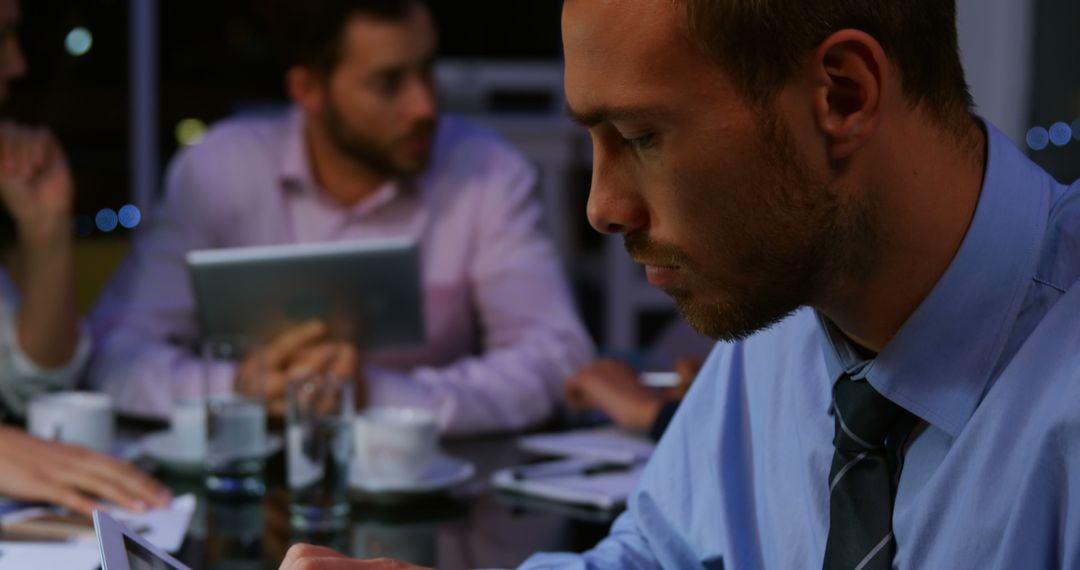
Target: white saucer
161, 447
446, 471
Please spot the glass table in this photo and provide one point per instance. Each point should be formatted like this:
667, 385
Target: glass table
469, 526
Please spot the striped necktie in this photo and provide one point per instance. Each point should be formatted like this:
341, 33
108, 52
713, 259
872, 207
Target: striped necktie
862, 482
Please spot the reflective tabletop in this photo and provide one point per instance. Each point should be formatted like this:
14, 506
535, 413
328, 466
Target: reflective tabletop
469, 526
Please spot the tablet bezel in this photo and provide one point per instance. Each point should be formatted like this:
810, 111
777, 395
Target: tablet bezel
367, 291
114, 555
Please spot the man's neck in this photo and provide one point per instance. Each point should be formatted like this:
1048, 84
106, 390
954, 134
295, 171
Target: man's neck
339, 175
925, 199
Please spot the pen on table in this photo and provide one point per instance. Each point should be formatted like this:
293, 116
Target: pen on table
533, 472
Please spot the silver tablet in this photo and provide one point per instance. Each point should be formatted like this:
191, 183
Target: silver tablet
367, 291
123, 549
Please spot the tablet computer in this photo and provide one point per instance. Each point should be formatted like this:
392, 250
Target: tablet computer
367, 291
123, 549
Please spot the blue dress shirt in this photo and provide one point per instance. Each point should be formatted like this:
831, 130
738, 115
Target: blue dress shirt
990, 362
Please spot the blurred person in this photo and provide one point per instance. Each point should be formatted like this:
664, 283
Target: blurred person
42, 345
614, 388
363, 153
896, 285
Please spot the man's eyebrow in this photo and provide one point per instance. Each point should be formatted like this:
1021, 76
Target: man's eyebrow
602, 115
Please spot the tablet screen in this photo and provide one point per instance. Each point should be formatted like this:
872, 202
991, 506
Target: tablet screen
140, 558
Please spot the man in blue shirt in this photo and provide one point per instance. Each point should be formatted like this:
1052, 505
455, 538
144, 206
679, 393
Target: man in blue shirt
896, 283
764, 156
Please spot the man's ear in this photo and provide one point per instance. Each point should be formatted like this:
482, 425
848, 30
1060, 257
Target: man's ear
305, 88
849, 72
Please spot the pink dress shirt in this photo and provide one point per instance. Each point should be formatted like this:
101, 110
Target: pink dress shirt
502, 330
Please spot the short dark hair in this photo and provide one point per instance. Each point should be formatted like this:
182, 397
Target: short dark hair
308, 33
761, 42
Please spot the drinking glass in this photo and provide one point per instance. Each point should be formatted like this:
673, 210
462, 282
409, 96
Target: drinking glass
236, 419
319, 445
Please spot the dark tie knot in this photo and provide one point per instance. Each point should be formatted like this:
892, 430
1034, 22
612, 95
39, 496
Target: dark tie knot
864, 418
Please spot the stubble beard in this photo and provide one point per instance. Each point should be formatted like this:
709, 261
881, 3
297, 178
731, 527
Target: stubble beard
820, 238
367, 152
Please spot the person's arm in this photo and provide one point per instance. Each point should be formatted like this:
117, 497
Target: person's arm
20, 377
72, 476
532, 336
37, 190
613, 387
624, 548
41, 345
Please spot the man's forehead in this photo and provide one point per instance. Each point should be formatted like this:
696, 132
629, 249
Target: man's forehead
591, 25
378, 43
624, 54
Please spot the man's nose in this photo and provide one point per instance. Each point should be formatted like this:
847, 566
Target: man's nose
615, 202
421, 103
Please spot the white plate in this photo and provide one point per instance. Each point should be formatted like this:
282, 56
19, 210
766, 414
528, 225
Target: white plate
446, 471
161, 447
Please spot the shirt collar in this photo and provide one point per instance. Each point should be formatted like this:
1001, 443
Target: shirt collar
939, 364
294, 168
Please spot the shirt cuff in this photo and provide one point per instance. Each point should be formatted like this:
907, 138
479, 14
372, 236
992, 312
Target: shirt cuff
64, 376
25, 378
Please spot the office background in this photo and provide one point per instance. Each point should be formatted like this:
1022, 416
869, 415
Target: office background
125, 83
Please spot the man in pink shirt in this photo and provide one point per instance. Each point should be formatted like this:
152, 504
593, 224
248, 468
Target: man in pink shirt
362, 154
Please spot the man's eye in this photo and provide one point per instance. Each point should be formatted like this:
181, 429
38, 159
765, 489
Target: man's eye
640, 142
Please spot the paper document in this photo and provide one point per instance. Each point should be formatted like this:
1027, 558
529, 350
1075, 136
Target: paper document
80, 555
577, 481
164, 528
606, 443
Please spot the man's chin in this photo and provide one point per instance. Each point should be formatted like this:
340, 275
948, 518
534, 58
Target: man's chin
412, 165
726, 322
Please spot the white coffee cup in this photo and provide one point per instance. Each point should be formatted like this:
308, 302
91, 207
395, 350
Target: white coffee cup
187, 426
83, 418
394, 445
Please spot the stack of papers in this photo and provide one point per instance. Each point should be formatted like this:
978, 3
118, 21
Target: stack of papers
599, 469
576, 481
606, 443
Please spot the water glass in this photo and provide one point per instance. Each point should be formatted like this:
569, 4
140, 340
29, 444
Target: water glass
235, 419
319, 445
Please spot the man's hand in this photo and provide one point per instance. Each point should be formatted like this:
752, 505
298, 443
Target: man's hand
71, 476
35, 184
301, 351
614, 388
308, 557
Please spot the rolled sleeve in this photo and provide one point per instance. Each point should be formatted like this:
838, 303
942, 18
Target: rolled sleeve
21, 378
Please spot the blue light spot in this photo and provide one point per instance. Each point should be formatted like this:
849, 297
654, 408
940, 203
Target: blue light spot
1060, 133
1038, 138
84, 226
106, 220
130, 216
78, 41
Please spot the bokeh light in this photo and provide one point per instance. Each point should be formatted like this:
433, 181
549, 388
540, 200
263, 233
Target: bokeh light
79, 41
130, 216
106, 220
84, 226
1038, 138
190, 131
1060, 133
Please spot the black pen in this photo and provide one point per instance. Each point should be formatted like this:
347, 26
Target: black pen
533, 472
